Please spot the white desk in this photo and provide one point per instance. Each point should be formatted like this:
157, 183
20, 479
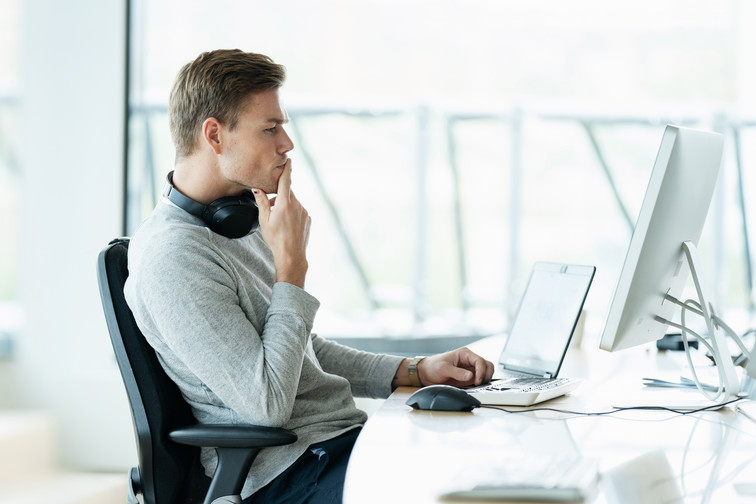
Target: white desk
411, 456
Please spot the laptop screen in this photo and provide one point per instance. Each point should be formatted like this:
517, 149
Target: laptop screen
546, 318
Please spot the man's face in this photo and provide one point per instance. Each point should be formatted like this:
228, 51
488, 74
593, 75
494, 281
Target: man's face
254, 152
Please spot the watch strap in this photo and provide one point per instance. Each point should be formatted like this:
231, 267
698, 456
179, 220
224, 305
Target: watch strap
414, 376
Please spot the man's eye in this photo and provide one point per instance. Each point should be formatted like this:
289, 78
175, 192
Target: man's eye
272, 130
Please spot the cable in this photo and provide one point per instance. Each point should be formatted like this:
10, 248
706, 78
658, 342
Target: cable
684, 332
618, 410
717, 322
738, 339
720, 373
695, 307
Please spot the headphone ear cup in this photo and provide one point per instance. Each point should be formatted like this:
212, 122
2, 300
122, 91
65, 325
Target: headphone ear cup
232, 216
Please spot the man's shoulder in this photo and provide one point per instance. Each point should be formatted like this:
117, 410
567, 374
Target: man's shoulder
166, 234
172, 238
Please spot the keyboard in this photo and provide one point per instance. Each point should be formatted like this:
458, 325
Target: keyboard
543, 477
527, 384
522, 391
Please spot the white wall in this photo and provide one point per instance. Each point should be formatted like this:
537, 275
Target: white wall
72, 116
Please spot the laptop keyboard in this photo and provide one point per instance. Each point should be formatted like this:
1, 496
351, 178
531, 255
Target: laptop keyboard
526, 384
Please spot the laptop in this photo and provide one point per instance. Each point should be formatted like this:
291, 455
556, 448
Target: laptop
538, 339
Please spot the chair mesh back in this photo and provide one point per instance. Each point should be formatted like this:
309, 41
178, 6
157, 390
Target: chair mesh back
167, 469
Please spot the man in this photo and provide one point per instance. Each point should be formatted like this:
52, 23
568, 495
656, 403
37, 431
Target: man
227, 312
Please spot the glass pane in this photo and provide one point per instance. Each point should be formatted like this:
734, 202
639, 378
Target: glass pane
10, 176
446, 146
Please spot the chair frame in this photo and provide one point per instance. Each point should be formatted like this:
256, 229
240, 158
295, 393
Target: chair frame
168, 437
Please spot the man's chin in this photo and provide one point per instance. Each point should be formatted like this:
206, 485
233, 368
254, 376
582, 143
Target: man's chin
271, 190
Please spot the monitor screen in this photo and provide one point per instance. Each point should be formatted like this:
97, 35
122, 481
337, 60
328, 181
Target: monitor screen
674, 210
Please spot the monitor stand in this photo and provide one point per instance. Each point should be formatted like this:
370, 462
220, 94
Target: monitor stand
729, 386
720, 349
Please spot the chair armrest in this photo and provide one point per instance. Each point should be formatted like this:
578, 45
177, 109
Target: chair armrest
232, 436
236, 446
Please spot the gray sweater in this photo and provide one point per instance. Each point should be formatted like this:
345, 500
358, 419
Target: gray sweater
239, 344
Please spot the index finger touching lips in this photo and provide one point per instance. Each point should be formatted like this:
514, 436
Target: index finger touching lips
284, 181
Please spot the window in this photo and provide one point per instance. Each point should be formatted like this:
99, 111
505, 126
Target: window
443, 147
10, 178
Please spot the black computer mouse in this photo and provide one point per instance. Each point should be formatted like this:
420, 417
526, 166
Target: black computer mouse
442, 398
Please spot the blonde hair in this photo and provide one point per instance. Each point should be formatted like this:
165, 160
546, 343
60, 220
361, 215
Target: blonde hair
216, 84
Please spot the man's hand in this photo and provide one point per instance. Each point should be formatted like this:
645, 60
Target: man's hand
285, 227
459, 368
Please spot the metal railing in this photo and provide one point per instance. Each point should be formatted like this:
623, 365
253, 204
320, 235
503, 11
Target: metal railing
733, 127
514, 118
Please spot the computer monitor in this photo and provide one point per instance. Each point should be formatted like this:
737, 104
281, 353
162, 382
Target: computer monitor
662, 251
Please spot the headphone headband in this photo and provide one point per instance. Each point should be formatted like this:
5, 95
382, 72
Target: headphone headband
180, 199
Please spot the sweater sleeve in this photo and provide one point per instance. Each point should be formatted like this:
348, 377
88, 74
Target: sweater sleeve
188, 300
369, 374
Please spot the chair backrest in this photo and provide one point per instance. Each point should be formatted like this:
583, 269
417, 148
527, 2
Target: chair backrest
169, 472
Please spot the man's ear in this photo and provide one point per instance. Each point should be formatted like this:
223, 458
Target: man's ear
211, 133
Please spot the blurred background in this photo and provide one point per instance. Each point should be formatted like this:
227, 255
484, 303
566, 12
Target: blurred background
441, 147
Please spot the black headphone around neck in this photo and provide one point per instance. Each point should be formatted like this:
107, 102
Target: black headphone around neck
230, 216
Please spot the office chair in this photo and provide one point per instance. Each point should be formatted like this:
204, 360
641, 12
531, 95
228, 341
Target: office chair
168, 437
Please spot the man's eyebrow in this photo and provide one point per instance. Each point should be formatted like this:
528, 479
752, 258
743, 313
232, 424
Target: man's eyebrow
279, 120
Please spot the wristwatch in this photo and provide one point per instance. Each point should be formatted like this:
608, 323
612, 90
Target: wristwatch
412, 370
